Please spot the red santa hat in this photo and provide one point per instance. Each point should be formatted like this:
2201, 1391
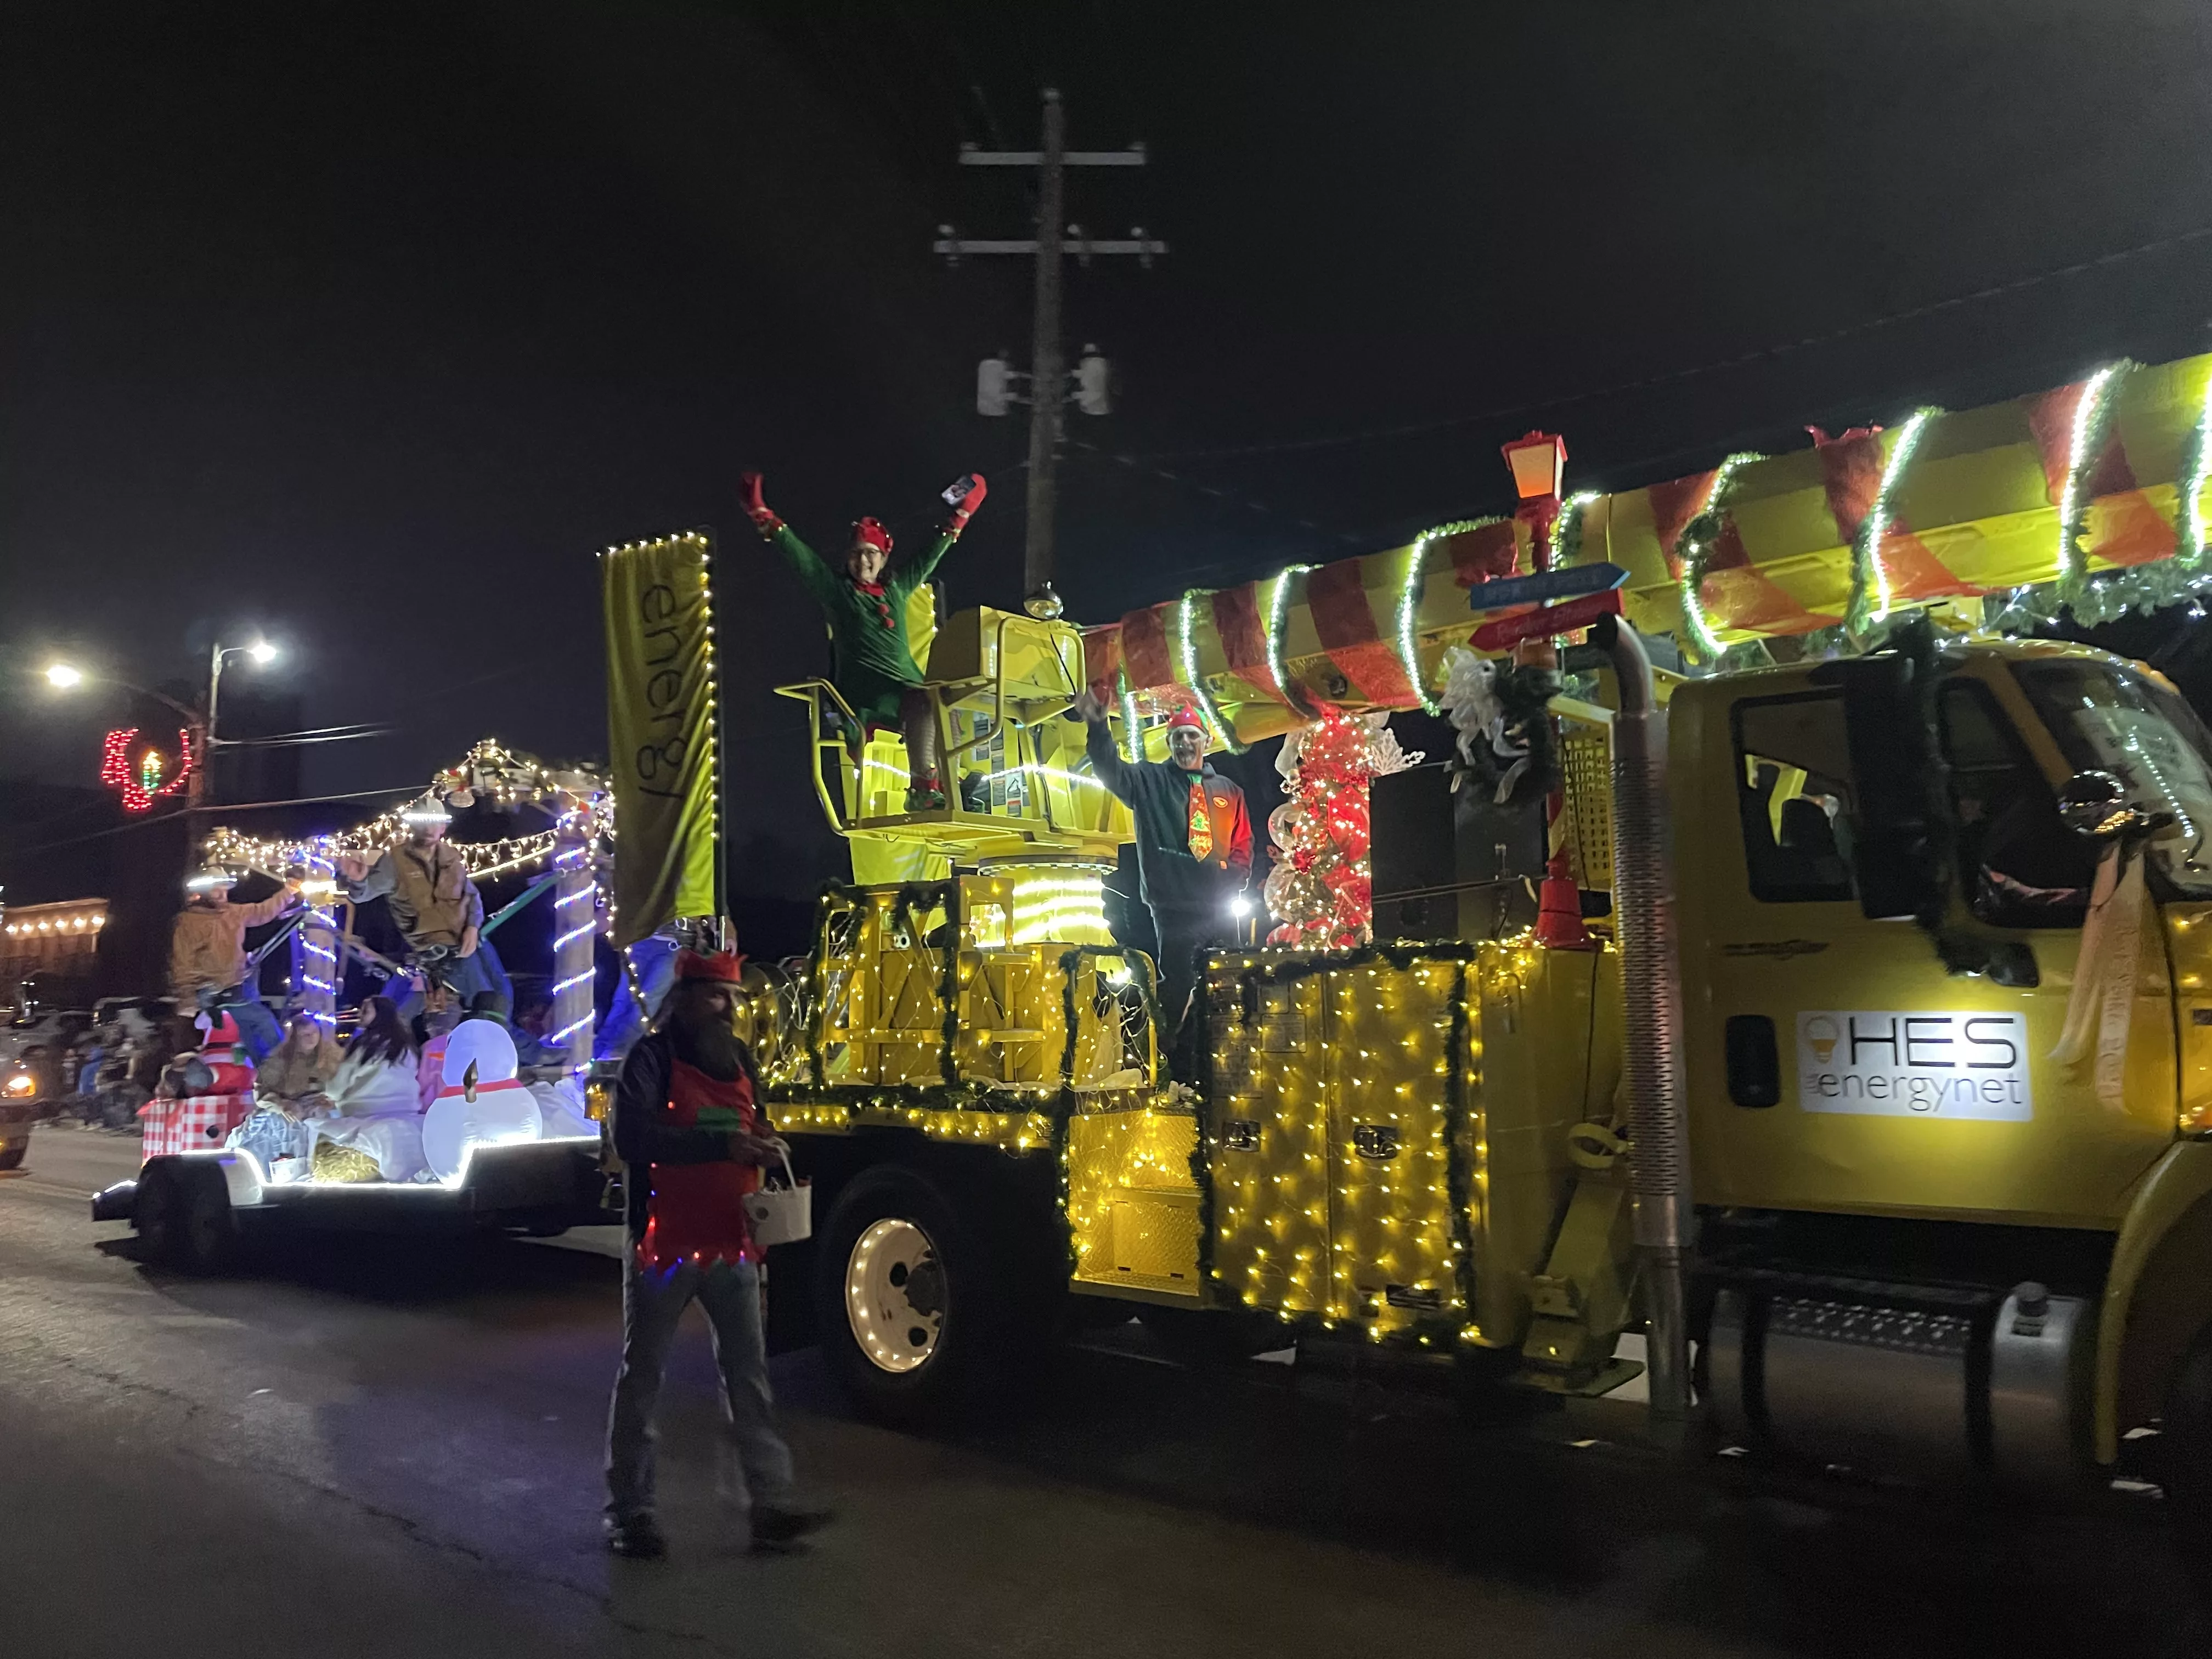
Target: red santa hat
218, 1028
722, 968
870, 533
1188, 716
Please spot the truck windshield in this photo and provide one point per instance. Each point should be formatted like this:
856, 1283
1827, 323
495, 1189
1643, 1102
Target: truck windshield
2108, 718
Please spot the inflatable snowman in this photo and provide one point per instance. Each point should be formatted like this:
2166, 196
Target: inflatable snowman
481, 1104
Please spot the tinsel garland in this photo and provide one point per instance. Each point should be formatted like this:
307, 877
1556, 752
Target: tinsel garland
1133, 729
1187, 659
1867, 576
1140, 970
1694, 550
1409, 603
1567, 530
2093, 427
1459, 1179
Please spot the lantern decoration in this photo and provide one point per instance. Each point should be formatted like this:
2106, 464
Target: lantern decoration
149, 775
1321, 889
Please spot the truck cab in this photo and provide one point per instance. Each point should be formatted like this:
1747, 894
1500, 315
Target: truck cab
1946, 1053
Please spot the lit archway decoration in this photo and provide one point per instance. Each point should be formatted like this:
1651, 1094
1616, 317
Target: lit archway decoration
141, 773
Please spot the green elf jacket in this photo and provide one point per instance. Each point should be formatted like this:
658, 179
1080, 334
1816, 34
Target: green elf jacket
871, 664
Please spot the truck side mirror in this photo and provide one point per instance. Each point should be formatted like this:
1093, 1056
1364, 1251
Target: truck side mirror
1894, 861
2094, 806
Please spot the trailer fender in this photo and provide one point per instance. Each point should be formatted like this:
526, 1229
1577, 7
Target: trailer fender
2158, 1295
241, 1174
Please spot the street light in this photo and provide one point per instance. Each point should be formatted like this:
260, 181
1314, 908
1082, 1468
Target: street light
262, 653
1537, 461
200, 722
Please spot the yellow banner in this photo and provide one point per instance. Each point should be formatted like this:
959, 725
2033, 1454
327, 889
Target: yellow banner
660, 731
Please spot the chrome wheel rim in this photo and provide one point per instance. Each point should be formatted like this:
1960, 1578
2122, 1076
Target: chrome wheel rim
894, 1295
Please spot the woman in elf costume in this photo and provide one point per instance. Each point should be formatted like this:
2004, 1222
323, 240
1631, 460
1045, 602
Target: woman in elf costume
864, 603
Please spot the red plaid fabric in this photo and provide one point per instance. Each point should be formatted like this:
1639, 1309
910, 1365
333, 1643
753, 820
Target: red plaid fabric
193, 1124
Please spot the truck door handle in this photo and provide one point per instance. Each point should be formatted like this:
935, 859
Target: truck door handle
1754, 1065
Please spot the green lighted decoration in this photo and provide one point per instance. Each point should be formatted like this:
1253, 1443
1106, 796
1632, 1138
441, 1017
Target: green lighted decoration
1694, 549
1187, 656
1869, 575
2093, 421
1279, 613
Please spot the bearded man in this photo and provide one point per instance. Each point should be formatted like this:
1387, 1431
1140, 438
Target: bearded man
688, 1129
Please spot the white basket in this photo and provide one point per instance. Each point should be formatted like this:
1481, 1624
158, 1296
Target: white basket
781, 1215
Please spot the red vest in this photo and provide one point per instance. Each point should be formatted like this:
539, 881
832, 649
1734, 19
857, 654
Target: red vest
698, 1210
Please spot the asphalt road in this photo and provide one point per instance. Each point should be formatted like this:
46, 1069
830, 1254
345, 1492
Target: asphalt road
355, 1451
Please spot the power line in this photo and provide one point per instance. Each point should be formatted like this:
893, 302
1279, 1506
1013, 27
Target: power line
1675, 377
239, 806
1139, 463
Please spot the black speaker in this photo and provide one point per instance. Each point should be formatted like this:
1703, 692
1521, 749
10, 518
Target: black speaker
1449, 864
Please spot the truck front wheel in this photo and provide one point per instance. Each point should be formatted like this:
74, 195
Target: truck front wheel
910, 1307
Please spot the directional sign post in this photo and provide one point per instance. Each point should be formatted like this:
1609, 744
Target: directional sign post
1503, 631
1544, 587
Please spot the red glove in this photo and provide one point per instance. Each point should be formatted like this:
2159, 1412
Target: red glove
758, 511
976, 491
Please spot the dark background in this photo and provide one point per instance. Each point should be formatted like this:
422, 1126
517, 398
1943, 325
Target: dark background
366, 325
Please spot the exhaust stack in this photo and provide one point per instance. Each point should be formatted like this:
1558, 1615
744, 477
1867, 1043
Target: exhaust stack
1643, 905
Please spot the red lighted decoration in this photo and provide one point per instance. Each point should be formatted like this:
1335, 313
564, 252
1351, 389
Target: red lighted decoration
143, 783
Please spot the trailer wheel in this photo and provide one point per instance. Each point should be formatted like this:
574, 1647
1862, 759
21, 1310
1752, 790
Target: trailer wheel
2184, 1449
206, 1232
914, 1312
12, 1157
156, 1211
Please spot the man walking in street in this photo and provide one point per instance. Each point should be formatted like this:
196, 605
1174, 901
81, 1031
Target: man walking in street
1193, 850
687, 1129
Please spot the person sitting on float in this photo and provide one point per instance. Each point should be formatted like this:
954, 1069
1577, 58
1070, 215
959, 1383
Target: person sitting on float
209, 968
425, 886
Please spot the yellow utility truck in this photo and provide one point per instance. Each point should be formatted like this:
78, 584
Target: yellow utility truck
1875, 1092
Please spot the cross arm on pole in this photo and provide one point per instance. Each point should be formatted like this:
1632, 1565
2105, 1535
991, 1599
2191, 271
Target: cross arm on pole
1134, 156
954, 247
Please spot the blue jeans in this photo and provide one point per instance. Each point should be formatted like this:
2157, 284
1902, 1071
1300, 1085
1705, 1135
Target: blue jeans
753, 1465
258, 1029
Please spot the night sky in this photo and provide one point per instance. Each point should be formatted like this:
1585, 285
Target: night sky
365, 325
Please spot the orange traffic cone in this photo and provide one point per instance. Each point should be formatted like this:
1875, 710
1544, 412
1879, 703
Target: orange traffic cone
1559, 909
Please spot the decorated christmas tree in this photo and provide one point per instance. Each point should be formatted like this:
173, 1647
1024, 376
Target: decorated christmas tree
1321, 889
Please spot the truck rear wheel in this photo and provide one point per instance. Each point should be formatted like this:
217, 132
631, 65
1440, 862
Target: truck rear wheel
12, 1157
2184, 1448
914, 1311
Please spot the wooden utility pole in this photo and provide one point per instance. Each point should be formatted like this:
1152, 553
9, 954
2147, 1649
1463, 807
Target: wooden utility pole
1047, 375
1054, 240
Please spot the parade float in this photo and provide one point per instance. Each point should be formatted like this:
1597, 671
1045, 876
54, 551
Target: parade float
483, 1146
